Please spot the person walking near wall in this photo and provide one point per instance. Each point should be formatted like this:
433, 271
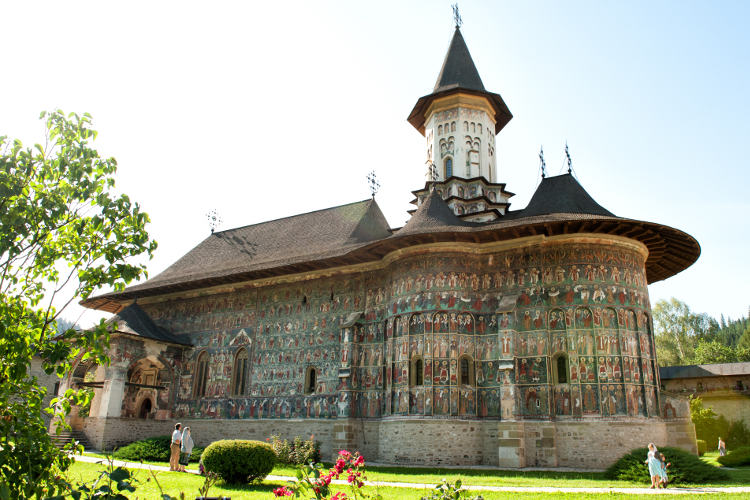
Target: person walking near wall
186, 448
722, 448
654, 466
174, 456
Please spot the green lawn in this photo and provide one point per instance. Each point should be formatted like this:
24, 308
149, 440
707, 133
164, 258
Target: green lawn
174, 482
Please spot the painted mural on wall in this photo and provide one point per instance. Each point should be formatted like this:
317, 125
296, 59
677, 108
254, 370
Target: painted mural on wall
547, 333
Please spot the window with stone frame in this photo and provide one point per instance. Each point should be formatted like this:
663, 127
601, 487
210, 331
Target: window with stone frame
311, 377
448, 167
560, 368
201, 375
416, 372
239, 384
466, 371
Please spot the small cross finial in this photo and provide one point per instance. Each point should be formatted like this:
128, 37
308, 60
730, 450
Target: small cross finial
372, 180
570, 162
456, 16
214, 220
542, 162
432, 172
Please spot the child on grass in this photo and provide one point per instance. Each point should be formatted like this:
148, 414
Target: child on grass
663, 464
654, 466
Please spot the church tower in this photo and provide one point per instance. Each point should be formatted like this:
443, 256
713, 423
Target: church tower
460, 120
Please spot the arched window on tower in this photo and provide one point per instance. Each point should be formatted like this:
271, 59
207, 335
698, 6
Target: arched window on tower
240, 373
201, 375
465, 371
440, 130
448, 163
310, 380
453, 126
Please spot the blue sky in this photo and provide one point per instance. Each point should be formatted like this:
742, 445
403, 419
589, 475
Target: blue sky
265, 110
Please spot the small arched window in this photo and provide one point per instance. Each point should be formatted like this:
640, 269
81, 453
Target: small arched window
466, 126
310, 380
440, 130
416, 377
201, 375
479, 127
560, 368
240, 373
448, 167
465, 371
453, 126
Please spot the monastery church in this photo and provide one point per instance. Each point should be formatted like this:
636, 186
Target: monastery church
474, 334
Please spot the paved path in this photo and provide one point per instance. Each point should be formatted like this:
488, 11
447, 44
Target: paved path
523, 489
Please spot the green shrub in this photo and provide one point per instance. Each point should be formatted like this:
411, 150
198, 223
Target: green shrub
298, 452
238, 461
685, 468
736, 457
702, 447
738, 434
155, 449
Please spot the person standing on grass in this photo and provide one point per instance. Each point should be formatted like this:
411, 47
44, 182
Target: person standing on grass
174, 448
654, 466
663, 464
722, 447
186, 448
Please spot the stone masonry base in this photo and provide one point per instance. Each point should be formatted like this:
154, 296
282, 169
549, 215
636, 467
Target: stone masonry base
584, 444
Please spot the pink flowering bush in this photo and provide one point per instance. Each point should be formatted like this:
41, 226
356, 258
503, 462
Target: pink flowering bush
313, 480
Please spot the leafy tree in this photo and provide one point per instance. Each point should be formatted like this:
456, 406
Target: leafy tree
64, 233
677, 331
713, 351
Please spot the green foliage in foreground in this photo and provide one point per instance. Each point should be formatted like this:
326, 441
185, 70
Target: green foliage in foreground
296, 452
736, 458
154, 449
685, 468
238, 461
64, 233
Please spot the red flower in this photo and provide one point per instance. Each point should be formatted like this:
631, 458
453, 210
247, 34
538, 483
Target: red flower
359, 461
282, 492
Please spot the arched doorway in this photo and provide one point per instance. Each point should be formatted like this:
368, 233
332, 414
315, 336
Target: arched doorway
145, 409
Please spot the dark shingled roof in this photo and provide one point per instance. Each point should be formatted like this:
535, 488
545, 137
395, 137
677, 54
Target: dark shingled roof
458, 67
434, 215
699, 371
561, 194
459, 75
300, 238
132, 320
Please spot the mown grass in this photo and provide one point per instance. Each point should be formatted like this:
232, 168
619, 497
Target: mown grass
494, 477
173, 483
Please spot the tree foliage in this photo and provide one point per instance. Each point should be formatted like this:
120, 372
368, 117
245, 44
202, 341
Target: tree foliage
64, 233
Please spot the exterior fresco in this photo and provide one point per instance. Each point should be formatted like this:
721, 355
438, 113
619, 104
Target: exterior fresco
490, 335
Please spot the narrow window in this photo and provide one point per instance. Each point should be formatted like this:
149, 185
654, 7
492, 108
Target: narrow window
240, 373
416, 377
562, 369
448, 167
440, 130
311, 381
465, 371
201, 375
453, 126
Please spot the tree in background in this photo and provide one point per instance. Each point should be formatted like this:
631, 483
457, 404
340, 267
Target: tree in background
64, 233
677, 331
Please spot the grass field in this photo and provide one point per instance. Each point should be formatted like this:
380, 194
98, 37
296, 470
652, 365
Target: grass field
173, 483
485, 477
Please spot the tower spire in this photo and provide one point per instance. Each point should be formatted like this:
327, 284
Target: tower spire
456, 16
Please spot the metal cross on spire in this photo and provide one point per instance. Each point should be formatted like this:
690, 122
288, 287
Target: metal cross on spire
456, 16
372, 180
432, 172
542, 164
570, 162
214, 220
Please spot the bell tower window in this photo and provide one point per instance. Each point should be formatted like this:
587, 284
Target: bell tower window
448, 167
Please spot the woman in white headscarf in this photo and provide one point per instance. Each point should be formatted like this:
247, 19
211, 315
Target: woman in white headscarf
186, 448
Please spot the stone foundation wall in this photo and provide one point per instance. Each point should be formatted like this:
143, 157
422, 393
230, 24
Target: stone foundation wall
589, 444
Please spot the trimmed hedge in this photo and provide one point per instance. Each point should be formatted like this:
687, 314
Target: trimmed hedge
685, 468
737, 457
239, 461
155, 449
702, 447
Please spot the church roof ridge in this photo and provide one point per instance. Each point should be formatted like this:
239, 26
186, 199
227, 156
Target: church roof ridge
432, 215
561, 194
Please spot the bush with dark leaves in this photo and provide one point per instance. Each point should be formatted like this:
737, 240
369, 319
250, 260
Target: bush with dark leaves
686, 468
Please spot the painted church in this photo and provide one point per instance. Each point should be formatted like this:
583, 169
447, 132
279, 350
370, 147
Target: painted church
474, 334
